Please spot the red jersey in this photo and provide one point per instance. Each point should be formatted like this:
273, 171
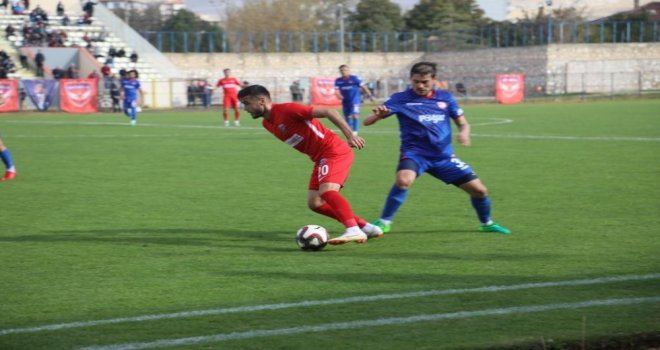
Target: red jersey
230, 86
293, 123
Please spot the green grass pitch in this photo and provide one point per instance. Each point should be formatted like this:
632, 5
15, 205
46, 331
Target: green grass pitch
179, 233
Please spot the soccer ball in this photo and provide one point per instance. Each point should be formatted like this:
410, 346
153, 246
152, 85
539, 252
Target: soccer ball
312, 237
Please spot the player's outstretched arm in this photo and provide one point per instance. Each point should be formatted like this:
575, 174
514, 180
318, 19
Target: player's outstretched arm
332, 115
380, 112
463, 126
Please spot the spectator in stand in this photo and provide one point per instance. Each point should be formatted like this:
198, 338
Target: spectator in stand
134, 57
86, 38
114, 94
66, 21
23, 59
89, 8
72, 72
106, 72
5, 4
58, 73
94, 75
9, 31
60, 9
18, 8
112, 52
39, 60
121, 52
3, 73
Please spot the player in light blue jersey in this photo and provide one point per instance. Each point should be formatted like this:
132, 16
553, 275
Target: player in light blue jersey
424, 113
348, 89
131, 93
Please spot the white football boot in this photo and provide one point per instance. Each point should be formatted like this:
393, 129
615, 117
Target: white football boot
356, 236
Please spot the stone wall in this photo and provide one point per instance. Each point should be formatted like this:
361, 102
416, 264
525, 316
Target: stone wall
555, 69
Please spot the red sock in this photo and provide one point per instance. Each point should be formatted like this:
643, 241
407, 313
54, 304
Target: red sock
326, 209
341, 207
237, 115
225, 116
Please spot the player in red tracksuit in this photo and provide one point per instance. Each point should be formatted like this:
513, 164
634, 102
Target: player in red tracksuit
297, 125
230, 87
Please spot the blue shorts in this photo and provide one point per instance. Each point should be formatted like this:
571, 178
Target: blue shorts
129, 104
451, 171
351, 109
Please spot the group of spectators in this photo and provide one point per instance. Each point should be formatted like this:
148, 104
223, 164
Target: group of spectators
7, 65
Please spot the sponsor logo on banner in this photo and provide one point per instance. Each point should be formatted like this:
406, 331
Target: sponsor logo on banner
510, 88
323, 92
8, 95
78, 95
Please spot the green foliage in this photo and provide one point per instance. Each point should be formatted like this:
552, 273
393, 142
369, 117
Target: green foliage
444, 15
179, 214
376, 16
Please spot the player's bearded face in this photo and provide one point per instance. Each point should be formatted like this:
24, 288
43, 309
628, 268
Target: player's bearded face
254, 107
422, 84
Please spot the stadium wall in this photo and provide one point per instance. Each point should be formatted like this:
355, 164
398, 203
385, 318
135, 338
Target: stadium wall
554, 69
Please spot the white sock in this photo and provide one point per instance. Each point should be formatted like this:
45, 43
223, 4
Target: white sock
354, 230
386, 222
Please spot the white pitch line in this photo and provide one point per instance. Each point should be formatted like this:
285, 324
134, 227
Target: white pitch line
353, 325
569, 138
391, 131
366, 298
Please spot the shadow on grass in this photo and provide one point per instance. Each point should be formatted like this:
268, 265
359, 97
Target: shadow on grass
145, 236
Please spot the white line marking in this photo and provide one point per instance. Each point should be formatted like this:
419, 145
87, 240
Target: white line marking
570, 138
391, 131
367, 298
353, 325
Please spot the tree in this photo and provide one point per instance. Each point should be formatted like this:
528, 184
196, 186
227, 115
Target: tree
190, 33
445, 15
287, 23
376, 16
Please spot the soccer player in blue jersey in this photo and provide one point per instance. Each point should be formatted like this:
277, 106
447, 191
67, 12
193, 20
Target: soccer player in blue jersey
424, 113
348, 89
5, 155
131, 93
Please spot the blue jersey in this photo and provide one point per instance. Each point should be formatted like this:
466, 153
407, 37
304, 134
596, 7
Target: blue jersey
130, 88
424, 122
349, 89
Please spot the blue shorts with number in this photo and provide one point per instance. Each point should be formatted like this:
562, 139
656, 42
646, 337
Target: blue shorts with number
451, 171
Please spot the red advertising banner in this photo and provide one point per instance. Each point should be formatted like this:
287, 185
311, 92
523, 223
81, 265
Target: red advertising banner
8, 95
510, 88
78, 95
322, 91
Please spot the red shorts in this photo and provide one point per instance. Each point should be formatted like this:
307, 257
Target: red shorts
334, 169
230, 101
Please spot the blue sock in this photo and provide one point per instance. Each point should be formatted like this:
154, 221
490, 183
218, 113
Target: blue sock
482, 206
394, 200
356, 124
6, 158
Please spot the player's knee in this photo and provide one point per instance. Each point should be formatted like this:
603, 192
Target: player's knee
479, 192
404, 183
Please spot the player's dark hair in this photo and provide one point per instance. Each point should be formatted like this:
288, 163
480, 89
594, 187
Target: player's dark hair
423, 68
254, 91
343, 66
226, 70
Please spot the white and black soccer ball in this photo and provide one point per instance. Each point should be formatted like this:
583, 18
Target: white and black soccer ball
312, 237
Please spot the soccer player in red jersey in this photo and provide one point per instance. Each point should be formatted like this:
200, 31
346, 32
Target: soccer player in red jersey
230, 87
298, 126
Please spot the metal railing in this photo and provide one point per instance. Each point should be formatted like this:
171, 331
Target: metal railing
495, 36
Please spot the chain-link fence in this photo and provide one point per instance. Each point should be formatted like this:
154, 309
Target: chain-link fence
519, 34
